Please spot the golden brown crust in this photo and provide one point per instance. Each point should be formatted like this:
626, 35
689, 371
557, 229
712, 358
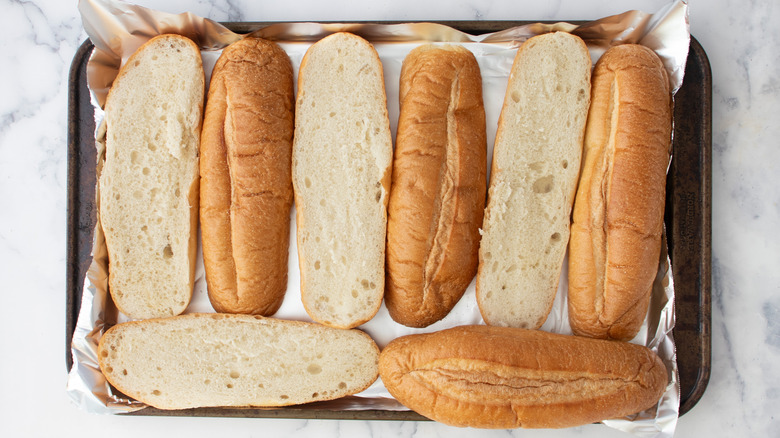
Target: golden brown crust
437, 198
618, 212
502, 377
246, 182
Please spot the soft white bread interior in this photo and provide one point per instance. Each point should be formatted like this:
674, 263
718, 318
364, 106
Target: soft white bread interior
536, 162
342, 155
149, 180
199, 360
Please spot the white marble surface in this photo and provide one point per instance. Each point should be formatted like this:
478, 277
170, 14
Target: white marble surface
40, 39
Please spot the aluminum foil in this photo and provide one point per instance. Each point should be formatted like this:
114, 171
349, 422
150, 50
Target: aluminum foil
118, 29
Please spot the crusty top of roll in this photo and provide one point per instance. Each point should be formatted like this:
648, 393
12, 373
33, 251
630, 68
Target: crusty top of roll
618, 211
246, 182
505, 377
439, 181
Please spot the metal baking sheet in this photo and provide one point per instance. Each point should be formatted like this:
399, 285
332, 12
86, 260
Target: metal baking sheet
687, 220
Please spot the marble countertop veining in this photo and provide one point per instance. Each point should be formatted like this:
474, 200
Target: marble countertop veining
40, 39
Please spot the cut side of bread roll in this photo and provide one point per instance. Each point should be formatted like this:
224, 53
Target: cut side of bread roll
246, 181
619, 210
534, 173
438, 190
342, 156
201, 360
149, 181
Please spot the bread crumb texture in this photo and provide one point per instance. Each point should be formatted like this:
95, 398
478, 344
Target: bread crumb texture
341, 169
148, 183
534, 176
202, 360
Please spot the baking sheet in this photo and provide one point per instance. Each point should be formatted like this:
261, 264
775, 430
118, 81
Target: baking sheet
495, 51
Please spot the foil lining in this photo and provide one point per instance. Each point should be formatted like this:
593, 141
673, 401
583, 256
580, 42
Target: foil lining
117, 29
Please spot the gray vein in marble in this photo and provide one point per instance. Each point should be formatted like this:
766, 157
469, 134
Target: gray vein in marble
38, 23
771, 312
52, 36
722, 283
744, 61
553, 8
302, 426
226, 10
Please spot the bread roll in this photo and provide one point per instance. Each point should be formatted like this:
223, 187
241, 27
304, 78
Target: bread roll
200, 360
618, 213
536, 162
504, 377
342, 157
148, 183
246, 181
437, 197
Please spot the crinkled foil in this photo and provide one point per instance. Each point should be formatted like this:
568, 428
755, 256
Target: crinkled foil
118, 29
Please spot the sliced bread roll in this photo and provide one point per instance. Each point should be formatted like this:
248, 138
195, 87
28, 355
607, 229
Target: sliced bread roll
200, 360
536, 163
342, 155
149, 180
